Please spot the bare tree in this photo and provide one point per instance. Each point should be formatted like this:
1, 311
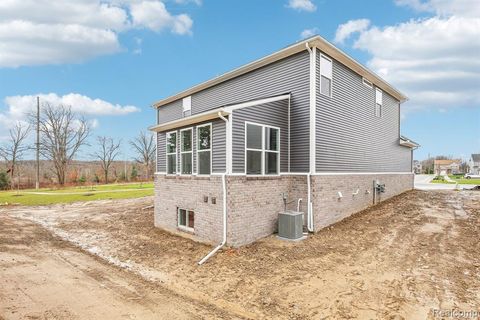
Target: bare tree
15, 148
109, 150
62, 134
145, 148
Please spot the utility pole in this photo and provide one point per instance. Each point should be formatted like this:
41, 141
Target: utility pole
37, 182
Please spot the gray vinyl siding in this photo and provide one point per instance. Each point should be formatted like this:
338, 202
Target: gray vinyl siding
273, 114
289, 75
172, 111
349, 137
218, 147
161, 152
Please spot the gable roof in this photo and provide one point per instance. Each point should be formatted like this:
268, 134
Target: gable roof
446, 161
315, 41
476, 157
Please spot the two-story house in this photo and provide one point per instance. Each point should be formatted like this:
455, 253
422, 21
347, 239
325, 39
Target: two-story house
306, 126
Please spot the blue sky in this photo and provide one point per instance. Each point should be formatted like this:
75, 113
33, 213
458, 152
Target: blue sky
136, 52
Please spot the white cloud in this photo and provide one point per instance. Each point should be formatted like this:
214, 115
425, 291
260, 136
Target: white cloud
38, 32
307, 33
154, 15
344, 31
465, 8
435, 61
18, 108
302, 5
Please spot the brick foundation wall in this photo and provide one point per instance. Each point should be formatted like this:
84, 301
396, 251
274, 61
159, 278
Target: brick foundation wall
254, 204
329, 209
187, 192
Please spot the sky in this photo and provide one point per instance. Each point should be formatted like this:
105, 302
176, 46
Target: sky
111, 59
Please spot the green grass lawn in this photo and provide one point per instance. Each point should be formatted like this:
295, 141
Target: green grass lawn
76, 194
458, 179
467, 181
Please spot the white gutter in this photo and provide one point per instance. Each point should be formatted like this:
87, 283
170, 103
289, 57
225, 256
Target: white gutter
312, 137
224, 185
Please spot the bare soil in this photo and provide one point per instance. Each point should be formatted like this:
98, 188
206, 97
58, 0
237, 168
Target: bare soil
399, 260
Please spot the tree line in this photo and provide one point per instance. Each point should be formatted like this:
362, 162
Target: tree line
63, 133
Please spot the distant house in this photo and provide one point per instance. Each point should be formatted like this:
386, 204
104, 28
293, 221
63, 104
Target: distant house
475, 163
306, 128
444, 167
417, 167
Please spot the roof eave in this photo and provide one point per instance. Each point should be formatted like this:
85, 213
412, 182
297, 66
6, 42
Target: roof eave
316, 41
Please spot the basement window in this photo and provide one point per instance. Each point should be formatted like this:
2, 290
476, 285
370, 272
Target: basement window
378, 102
186, 153
204, 149
186, 219
171, 152
262, 152
325, 76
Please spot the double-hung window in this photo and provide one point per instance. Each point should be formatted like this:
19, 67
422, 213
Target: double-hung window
325, 76
378, 102
171, 152
262, 149
186, 152
204, 149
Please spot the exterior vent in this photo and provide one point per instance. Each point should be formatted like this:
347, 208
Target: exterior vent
290, 225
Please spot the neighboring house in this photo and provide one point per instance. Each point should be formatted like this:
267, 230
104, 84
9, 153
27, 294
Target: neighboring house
307, 122
445, 167
417, 167
474, 163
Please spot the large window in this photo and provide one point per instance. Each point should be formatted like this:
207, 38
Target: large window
325, 76
262, 149
204, 149
186, 152
186, 219
171, 152
378, 102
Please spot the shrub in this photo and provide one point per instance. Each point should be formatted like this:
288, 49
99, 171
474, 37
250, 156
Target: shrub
4, 182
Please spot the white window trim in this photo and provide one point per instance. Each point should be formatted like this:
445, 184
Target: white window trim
170, 153
204, 150
331, 78
263, 174
367, 83
185, 227
378, 90
185, 152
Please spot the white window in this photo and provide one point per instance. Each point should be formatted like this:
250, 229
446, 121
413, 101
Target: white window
204, 149
186, 151
171, 152
367, 83
378, 102
186, 219
325, 76
187, 106
262, 149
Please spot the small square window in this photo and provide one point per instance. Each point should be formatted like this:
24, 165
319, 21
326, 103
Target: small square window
187, 106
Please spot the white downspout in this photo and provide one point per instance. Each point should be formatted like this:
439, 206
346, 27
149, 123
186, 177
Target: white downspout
224, 185
309, 187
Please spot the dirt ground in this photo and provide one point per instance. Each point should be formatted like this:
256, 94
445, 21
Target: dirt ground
399, 260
